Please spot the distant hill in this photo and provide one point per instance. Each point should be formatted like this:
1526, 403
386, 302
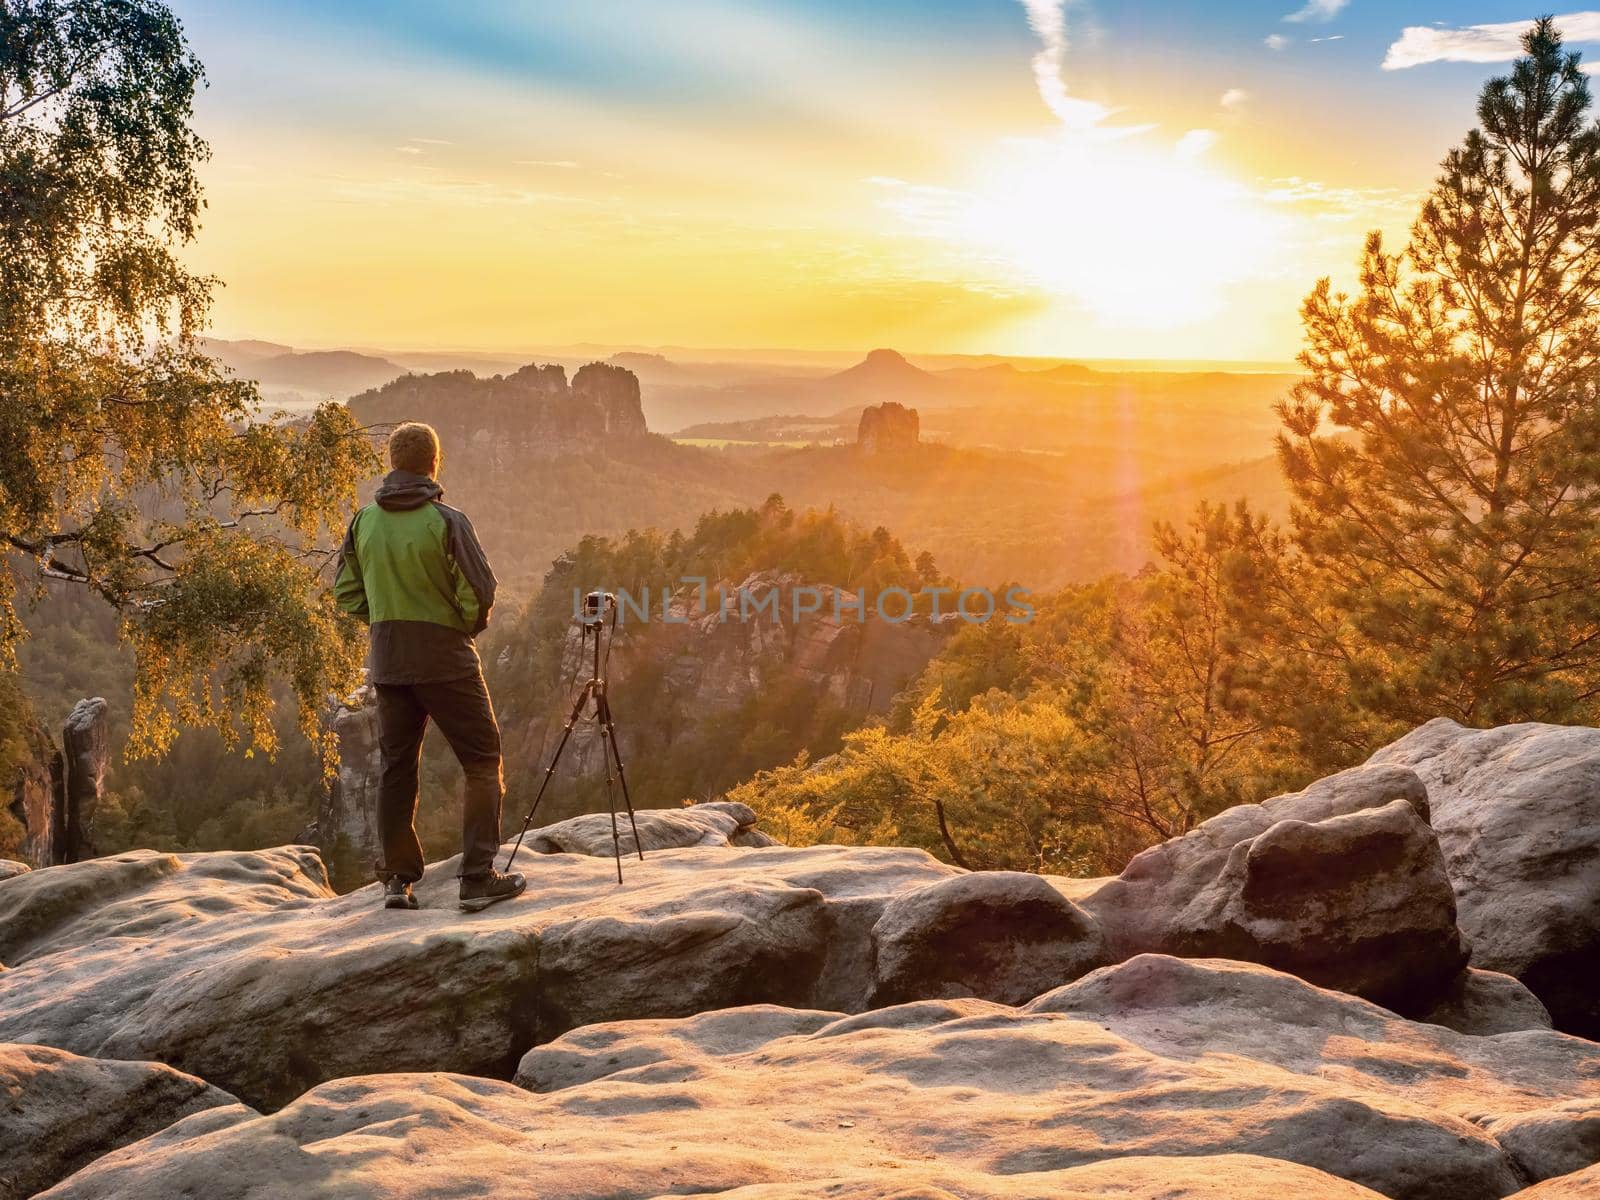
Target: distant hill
885, 375
310, 374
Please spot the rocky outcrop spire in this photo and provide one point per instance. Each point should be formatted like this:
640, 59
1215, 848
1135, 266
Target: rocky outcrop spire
86, 752
887, 428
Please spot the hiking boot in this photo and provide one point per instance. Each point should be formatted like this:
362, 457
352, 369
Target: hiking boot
397, 894
480, 891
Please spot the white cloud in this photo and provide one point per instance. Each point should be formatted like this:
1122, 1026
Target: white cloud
1332, 37
1048, 20
1274, 41
1421, 44
1234, 97
408, 150
1195, 143
564, 164
1318, 10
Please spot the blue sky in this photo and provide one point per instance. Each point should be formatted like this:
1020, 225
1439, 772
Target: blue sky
810, 172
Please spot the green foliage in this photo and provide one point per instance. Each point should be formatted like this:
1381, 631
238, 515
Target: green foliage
1127, 713
136, 469
674, 751
1444, 449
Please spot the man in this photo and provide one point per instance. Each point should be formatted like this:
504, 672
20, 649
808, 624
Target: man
412, 568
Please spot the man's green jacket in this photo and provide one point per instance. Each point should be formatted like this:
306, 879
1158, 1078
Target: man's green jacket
412, 568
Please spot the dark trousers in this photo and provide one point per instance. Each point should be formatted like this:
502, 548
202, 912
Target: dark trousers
465, 716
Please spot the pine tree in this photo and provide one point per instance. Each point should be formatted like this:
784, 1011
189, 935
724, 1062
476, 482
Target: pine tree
1444, 450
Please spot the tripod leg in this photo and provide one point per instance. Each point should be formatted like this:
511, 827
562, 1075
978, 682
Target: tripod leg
550, 770
616, 839
610, 728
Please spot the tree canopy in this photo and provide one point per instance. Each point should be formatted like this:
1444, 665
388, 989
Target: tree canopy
130, 462
1444, 448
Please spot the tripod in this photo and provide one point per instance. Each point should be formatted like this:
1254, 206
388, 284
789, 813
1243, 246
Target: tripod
591, 624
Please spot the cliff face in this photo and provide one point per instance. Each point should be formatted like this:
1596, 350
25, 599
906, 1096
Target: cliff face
887, 428
35, 796
500, 420
694, 660
53, 795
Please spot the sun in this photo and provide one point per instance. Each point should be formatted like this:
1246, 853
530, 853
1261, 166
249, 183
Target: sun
1139, 236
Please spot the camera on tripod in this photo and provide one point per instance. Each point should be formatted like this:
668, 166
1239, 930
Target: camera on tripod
597, 606
591, 619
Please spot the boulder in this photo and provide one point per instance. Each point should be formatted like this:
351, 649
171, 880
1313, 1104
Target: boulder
10, 867
714, 823
1551, 1142
1517, 813
86, 752
998, 935
1580, 1185
1154, 1078
1487, 1002
1342, 883
246, 970
61, 1111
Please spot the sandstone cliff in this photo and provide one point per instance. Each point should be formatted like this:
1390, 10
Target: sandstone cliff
499, 422
887, 428
54, 791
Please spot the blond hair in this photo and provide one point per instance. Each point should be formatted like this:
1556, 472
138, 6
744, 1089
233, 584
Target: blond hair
414, 447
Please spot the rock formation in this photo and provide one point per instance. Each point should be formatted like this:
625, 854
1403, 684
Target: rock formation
499, 422
36, 801
998, 935
887, 428
1342, 884
55, 794
714, 823
1517, 812
61, 1111
86, 751
1155, 1078
346, 829
765, 1021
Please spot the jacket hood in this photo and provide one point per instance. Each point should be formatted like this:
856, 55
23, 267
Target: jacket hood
401, 490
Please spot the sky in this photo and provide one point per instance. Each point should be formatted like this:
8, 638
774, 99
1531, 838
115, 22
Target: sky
1071, 178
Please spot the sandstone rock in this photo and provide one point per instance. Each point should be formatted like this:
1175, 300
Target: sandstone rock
998, 935
1342, 884
1156, 1078
1487, 1002
714, 823
10, 867
887, 428
416, 1136
1553, 1141
245, 970
61, 1111
1228, 1057
347, 817
1517, 813
502, 420
1580, 1185
33, 796
86, 752
140, 895
1201, 1008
